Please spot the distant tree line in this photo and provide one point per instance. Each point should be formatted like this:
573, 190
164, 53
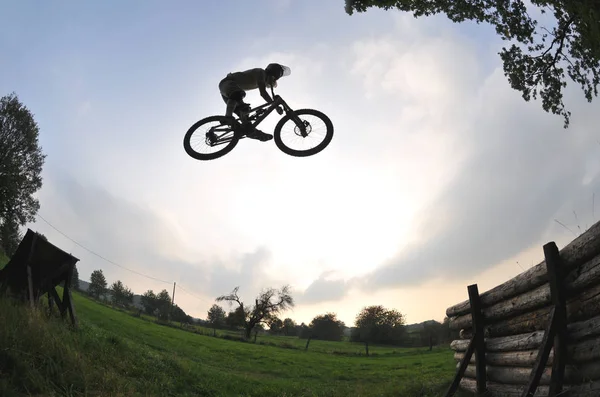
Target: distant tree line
374, 325
119, 295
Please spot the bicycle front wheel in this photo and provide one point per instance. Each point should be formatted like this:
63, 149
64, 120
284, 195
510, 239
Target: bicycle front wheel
210, 138
315, 135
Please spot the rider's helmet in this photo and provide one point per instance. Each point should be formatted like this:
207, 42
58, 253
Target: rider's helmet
277, 70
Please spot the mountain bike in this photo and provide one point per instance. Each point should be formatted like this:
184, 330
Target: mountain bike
294, 134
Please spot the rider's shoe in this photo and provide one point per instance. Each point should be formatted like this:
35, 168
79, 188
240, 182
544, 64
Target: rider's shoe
242, 108
258, 134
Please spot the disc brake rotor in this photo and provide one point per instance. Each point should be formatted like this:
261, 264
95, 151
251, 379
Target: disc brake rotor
307, 127
211, 137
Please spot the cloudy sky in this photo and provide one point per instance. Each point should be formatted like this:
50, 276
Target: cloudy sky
439, 174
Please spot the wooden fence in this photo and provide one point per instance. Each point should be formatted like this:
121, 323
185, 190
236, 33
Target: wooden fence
537, 334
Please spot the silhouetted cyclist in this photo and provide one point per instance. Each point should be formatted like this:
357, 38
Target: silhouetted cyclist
233, 90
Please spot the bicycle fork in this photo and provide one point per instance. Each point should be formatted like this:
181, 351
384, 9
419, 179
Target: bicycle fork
300, 125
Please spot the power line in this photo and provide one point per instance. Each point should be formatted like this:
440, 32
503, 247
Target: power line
121, 266
102, 257
194, 295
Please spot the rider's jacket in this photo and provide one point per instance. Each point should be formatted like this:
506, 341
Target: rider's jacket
248, 79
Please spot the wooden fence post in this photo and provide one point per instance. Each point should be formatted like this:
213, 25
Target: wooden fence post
480, 362
32, 298
68, 297
556, 329
476, 344
556, 278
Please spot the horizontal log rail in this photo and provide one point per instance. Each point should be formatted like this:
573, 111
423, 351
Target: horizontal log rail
536, 302
577, 353
580, 250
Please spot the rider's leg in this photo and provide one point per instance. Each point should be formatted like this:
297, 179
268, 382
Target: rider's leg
237, 97
233, 96
231, 106
250, 131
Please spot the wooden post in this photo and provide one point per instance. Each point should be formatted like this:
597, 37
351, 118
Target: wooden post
480, 363
30, 285
557, 291
461, 369
59, 303
477, 344
71, 307
29, 272
555, 335
172, 303
68, 298
542, 358
307, 342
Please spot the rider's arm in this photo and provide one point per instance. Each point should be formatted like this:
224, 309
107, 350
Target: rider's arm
261, 82
263, 92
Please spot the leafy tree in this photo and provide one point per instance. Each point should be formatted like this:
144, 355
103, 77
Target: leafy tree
163, 305
216, 317
275, 325
10, 236
180, 316
236, 318
97, 284
75, 278
269, 303
536, 60
128, 296
149, 302
302, 331
289, 327
121, 294
327, 327
376, 324
431, 333
21, 162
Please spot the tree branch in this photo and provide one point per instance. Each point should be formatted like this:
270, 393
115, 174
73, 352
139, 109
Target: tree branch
561, 40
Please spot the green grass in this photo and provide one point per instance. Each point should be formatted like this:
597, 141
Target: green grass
114, 353
293, 342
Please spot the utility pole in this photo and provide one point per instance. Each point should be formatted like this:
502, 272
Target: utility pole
172, 302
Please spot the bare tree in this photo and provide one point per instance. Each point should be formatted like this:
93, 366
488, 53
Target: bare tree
269, 303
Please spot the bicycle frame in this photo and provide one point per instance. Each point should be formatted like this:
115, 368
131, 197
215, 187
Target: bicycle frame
254, 117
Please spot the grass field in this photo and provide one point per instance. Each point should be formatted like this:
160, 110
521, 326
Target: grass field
114, 353
293, 342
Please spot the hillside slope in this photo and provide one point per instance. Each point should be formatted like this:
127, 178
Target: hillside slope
115, 353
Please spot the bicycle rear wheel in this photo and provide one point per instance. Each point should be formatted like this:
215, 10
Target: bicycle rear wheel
291, 140
210, 138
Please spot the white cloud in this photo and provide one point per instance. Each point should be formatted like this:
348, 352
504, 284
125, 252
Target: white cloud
437, 169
